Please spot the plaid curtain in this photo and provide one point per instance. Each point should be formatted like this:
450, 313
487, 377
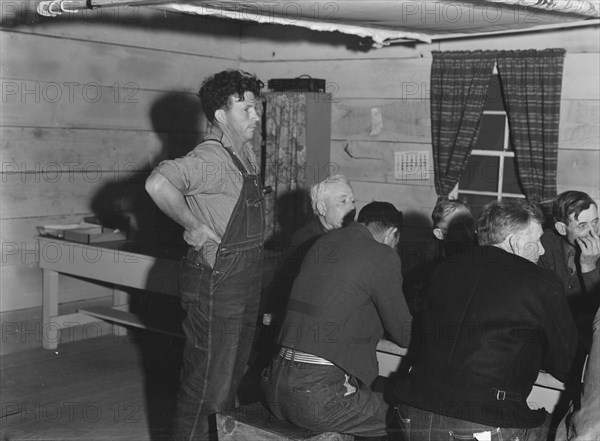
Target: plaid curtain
531, 84
459, 84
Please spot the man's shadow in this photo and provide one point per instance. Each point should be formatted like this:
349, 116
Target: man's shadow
292, 210
419, 255
176, 121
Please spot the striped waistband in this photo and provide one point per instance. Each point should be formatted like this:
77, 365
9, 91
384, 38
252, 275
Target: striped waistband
303, 357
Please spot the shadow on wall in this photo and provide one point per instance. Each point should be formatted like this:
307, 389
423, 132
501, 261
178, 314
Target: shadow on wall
292, 210
417, 243
176, 120
416, 220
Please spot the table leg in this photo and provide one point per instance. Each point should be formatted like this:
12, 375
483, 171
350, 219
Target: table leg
50, 330
120, 302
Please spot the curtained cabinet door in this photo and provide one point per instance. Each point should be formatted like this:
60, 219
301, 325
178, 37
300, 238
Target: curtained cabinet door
295, 155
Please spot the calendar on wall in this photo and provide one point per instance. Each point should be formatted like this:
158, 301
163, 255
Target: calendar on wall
411, 165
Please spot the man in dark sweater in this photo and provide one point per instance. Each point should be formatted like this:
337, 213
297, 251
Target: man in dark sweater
348, 290
492, 320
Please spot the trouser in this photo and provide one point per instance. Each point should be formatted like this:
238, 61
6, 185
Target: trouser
323, 399
420, 425
219, 326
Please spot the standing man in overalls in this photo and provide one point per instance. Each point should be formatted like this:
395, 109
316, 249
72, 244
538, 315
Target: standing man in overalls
215, 194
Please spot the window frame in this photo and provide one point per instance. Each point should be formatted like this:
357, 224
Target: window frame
501, 155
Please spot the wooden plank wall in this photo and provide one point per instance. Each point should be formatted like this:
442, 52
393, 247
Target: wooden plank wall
90, 103
394, 82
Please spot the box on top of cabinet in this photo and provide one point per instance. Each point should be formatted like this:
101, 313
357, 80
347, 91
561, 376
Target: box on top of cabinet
94, 234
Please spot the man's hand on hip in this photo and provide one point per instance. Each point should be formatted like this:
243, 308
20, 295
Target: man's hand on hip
198, 236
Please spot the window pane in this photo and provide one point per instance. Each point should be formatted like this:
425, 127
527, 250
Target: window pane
491, 133
494, 95
511, 182
476, 202
481, 173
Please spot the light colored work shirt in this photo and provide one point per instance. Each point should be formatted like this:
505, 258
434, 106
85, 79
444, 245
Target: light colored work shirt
210, 183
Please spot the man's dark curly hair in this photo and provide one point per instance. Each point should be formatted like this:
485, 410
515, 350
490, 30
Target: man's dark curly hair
217, 89
570, 203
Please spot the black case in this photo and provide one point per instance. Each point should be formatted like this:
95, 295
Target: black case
300, 84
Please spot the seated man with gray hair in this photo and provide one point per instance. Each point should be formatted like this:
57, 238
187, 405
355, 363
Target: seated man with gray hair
492, 320
332, 202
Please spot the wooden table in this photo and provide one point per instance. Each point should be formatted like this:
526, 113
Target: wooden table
545, 393
133, 265
123, 264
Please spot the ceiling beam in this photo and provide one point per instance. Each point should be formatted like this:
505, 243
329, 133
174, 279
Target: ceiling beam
52, 8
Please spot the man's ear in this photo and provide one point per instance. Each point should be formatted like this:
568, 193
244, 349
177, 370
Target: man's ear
387, 237
220, 116
561, 227
321, 208
389, 232
438, 233
394, 235
513, 243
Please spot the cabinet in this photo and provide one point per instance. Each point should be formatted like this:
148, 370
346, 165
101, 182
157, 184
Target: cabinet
296, 154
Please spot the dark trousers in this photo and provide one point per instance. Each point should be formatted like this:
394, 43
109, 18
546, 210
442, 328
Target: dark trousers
323, 399
420, 425
220, 323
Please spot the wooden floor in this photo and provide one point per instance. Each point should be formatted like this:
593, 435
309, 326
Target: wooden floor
109, 388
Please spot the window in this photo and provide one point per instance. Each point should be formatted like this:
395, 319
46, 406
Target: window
490, 173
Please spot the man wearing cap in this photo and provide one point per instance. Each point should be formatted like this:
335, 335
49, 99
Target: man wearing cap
348, 290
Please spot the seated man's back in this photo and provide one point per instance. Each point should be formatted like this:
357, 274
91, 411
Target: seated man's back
492, 319
348, 290
485, 327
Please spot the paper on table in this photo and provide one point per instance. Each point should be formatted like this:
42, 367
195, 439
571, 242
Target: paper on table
483, 436
58, 230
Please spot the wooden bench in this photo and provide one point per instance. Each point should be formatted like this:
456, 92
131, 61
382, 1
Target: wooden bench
253, 422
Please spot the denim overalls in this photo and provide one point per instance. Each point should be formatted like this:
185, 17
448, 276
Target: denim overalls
221, 305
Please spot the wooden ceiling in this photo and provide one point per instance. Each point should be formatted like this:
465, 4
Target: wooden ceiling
383, 21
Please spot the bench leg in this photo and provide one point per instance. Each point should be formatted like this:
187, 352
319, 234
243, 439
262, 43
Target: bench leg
50, 331
120, 302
